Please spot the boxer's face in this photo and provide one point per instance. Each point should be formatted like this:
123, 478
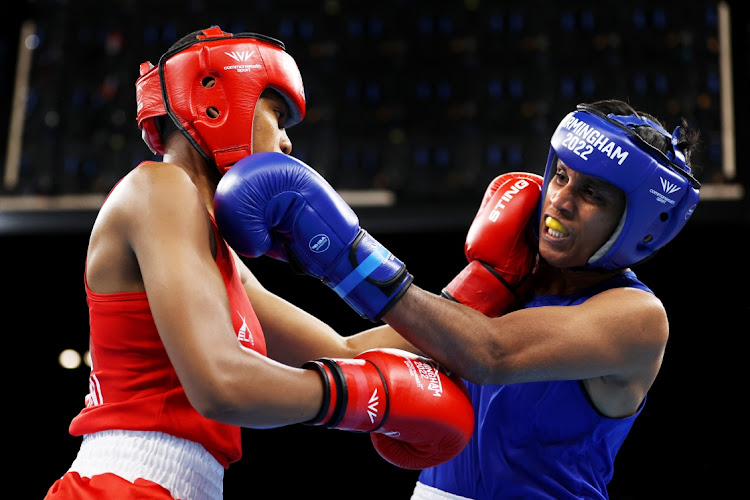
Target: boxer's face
579, 215
269, 133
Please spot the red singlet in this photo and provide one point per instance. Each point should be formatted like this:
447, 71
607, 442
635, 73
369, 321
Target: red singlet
133, 385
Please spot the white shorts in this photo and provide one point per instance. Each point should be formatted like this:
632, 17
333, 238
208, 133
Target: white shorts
424, 492
183, 467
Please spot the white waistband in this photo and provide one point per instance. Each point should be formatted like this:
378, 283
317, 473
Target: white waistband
424, 492
183, 467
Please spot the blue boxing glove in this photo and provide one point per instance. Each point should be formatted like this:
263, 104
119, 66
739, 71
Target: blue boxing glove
273, 204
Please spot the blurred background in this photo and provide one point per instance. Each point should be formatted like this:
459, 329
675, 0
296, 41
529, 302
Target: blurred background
413, 107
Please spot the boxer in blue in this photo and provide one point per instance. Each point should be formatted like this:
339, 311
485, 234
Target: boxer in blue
556, 338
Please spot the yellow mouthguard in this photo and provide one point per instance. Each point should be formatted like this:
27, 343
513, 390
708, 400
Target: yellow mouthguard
554, 224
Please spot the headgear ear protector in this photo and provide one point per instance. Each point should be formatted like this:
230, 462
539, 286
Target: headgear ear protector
660, 192
209, 87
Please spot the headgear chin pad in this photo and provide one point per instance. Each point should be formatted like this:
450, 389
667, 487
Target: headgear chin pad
660, 192
209, 88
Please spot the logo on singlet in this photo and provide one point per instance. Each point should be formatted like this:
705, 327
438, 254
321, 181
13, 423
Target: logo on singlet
94, 397
244, 332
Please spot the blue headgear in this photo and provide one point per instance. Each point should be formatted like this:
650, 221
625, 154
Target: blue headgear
660, 192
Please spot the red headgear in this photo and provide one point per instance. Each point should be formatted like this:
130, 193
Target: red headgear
210, 87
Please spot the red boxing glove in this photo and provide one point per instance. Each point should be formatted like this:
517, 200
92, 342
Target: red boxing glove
498, 246
418, 415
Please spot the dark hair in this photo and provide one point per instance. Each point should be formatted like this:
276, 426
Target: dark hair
688, 141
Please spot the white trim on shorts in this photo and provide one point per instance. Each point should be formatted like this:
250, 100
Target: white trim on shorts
424, 492
183, 467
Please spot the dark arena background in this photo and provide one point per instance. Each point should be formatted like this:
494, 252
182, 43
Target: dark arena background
412, 108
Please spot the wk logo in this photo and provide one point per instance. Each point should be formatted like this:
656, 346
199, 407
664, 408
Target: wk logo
372, 406
668, 187
241, 56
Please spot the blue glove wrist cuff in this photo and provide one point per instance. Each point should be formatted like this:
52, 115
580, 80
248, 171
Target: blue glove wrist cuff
372, 279
362, 271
